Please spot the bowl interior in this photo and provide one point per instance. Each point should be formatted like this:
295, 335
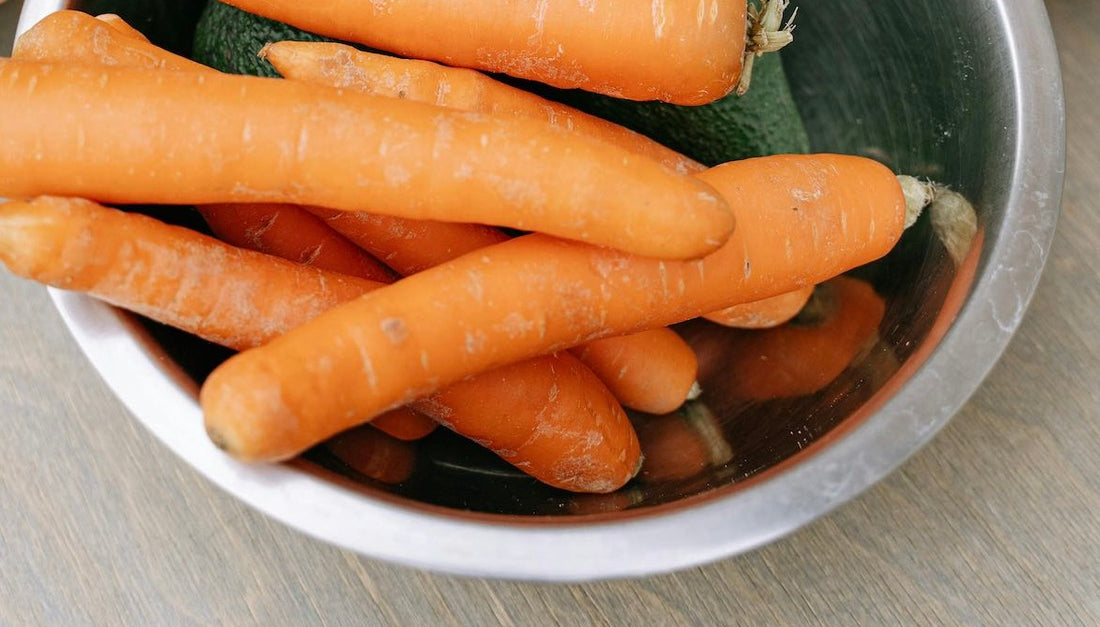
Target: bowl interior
928, 88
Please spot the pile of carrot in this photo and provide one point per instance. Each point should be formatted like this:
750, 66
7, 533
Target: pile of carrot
357, 264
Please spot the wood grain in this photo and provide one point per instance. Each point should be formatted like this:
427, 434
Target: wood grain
996, 522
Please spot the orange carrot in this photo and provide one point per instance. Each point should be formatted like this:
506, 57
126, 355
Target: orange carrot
763, 314
813, 217
65, 35
233, 297
375, 455
667, 364
803, 356
574, 442
652, 371
404, 423
340, 65
131, 135
675, 50
410, 245
241, 298
122, 26
292, 233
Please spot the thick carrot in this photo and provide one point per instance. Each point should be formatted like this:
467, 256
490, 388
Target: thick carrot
293, 233
651, 371
234, 297
340, 65
241, 298
765, 313
131, 135
66, 35
813, 217
679, 51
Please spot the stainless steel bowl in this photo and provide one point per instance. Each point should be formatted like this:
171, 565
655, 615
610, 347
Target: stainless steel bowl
965, 93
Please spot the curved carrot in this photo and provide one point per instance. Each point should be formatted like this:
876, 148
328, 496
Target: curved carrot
545, 409
765, 313
340, 65
680, 51
813, 217
292, 233
130, 135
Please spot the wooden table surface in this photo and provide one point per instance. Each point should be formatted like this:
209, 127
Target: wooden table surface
996, 522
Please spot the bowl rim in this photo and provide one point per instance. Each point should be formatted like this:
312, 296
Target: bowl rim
670, 539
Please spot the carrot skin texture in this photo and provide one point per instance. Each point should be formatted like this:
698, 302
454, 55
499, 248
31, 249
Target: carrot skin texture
404, 423
340, 65
292, 233
670, 51
130, 135
813, 217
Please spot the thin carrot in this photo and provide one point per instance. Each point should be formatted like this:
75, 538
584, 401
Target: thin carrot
234, 297
765, 313
131, 135
814, 216
242, 298
340, 65
677, 50
408, 246
121, 25
65, 35
292, 233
